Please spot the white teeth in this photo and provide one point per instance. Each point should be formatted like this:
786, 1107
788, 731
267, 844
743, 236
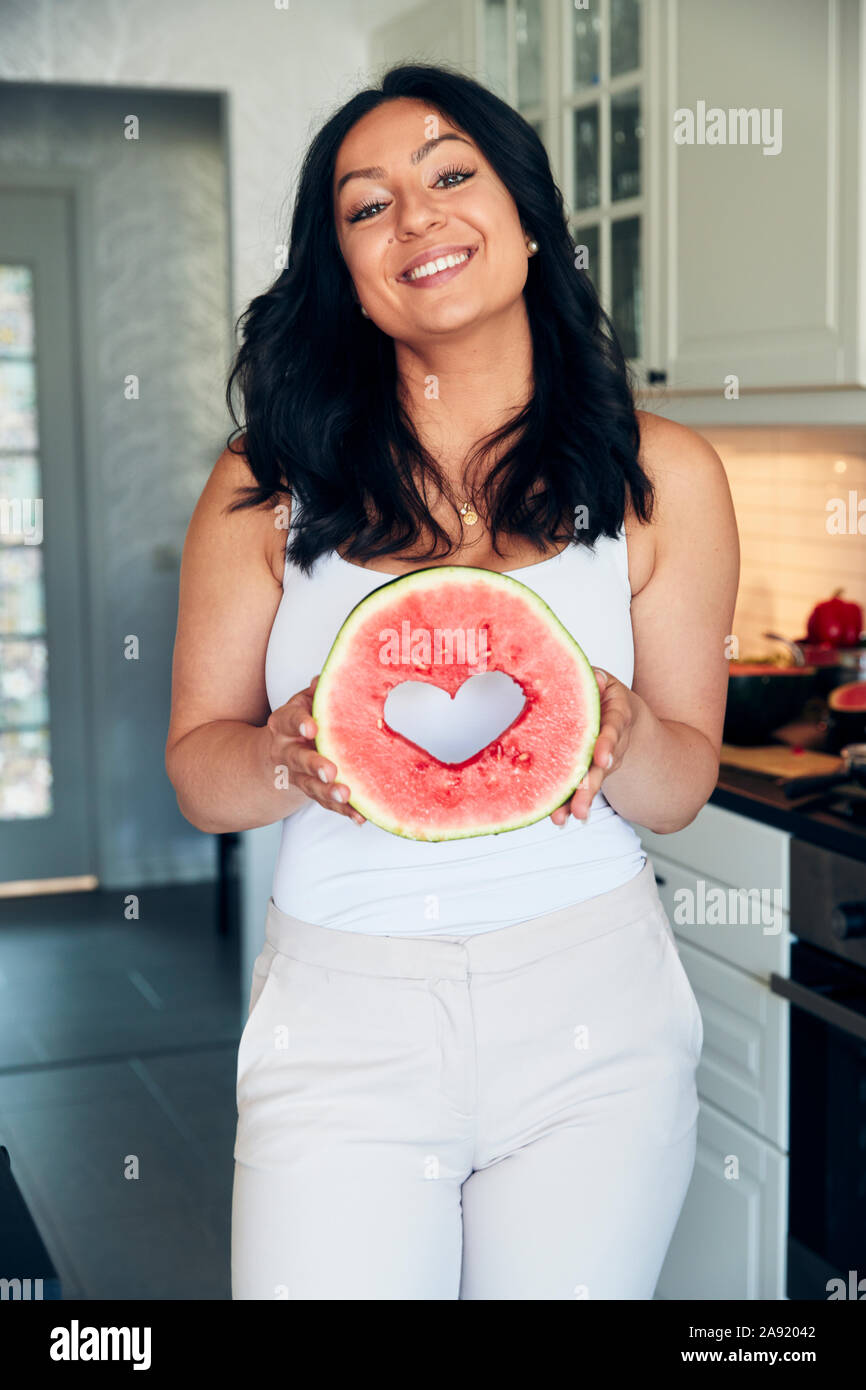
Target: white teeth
433, 267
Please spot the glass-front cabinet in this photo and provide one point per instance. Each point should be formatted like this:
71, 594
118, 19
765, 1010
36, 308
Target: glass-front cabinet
694, 248
513, 56
576, 69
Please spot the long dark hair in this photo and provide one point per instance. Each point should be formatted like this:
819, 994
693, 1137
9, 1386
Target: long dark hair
323, 421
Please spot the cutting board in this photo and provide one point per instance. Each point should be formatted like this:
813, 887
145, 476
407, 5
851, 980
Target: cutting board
776, 760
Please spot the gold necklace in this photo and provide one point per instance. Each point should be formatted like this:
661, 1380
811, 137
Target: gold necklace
469, 514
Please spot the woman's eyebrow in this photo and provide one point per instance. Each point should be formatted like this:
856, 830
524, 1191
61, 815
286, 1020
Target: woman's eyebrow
375, 171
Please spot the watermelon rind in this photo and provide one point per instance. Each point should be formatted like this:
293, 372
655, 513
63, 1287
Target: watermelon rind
341, 648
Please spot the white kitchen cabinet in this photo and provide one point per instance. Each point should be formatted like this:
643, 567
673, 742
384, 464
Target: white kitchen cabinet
730, 1239
728, 847
743, 1076
765, 252
740, 916
744, 1063
744, 1068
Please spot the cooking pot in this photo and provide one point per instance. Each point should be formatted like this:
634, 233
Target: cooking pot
762, 697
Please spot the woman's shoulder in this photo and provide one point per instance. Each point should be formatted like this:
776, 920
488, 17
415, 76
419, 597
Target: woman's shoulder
671, 450
230, 477
690, 489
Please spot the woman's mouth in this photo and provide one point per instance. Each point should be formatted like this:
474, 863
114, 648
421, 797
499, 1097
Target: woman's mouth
436, 270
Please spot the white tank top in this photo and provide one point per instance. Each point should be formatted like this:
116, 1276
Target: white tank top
334, 873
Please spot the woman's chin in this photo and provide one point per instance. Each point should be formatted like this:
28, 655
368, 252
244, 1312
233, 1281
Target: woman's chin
448, 318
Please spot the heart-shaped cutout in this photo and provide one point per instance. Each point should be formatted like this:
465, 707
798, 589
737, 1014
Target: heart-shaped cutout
454, 729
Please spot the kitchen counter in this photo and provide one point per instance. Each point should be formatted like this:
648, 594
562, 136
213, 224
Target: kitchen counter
749, 794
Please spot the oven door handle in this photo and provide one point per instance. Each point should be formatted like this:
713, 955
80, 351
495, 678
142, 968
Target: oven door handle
848, 1020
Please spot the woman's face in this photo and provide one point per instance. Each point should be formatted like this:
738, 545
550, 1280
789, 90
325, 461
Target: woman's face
411, 189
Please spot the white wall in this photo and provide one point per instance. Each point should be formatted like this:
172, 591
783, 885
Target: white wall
284, 70
786, 484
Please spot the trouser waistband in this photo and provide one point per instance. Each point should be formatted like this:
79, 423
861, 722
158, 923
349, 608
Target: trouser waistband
455, 957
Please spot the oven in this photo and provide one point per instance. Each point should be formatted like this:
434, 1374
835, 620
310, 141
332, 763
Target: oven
826, 1252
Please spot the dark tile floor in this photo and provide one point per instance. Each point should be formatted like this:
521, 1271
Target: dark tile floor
118, 1043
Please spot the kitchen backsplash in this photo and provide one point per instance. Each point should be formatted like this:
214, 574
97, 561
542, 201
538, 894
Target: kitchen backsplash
796, 495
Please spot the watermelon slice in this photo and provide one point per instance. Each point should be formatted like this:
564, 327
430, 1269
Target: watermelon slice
443, 626
851, 696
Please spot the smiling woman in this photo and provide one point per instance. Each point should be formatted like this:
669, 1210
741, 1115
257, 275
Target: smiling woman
431, 379
486, 248
431, 166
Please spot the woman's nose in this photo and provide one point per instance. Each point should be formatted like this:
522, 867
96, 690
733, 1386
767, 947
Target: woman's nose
417, 213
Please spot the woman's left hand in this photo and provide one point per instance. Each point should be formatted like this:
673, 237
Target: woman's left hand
617, 716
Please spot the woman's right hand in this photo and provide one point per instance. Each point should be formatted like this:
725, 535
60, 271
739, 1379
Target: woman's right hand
293, 732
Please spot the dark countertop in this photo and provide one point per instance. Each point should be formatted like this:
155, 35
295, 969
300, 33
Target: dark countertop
762, 798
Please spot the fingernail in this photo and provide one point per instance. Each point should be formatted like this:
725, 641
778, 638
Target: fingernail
609, 762
323, 774
306, 730
337, 794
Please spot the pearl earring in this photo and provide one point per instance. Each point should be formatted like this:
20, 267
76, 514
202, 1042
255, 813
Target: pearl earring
364, 312
532, 246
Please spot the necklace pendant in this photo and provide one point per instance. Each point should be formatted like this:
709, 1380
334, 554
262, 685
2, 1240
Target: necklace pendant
469, 516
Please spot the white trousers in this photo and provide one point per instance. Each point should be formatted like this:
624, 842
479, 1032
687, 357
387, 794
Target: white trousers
510, 1115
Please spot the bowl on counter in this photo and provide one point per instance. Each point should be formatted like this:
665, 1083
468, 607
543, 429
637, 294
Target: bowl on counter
764, 695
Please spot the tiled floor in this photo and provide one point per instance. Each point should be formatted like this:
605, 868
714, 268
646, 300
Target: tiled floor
118, 1046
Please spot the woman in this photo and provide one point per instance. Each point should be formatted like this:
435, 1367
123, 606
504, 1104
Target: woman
468, 1067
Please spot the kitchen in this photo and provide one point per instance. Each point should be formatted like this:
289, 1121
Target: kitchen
735, 272
736, 265
778, 1187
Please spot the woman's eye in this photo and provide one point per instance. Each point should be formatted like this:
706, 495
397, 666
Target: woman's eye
459, 175
361, 214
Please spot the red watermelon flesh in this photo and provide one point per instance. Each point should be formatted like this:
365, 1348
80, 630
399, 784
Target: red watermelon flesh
851, 696
485, 622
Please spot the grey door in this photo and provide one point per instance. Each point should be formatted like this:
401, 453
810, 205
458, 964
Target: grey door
45, 816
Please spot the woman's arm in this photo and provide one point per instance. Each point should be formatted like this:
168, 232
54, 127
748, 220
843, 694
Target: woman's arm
224, 745
665, 733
